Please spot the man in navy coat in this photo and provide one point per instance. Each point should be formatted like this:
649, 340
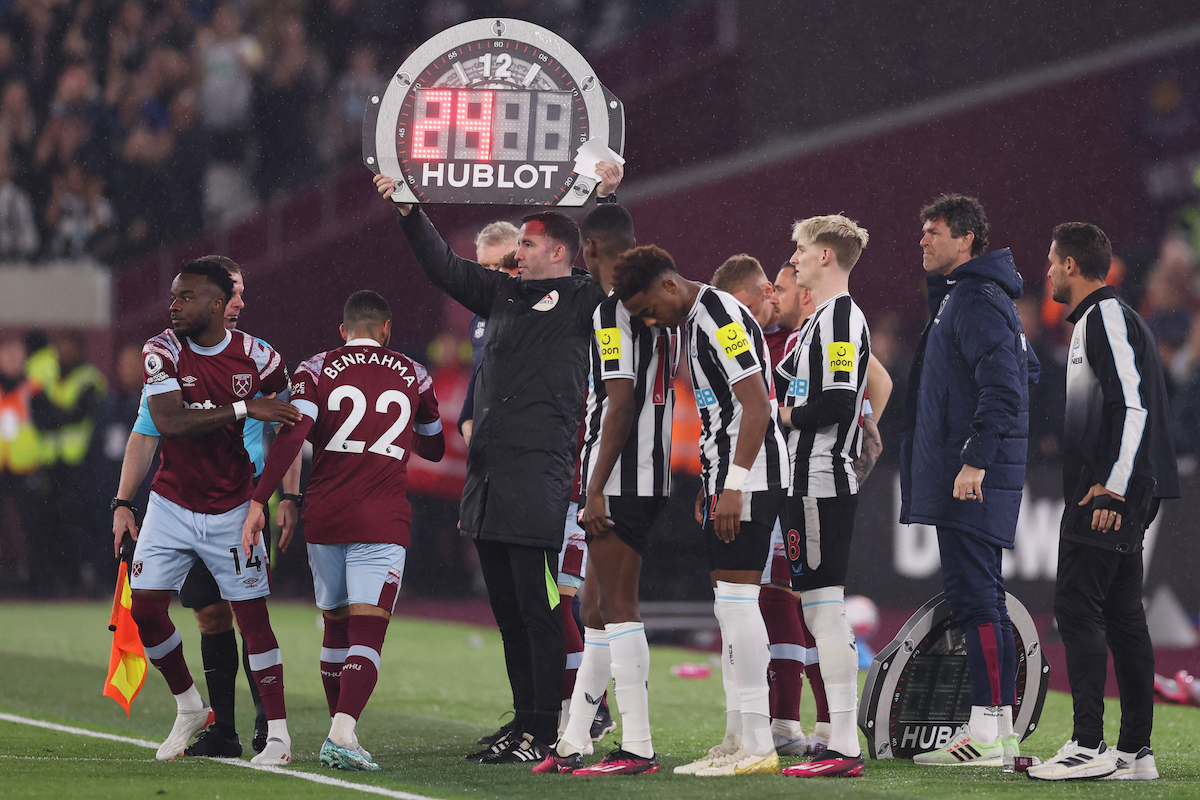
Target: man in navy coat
962, 455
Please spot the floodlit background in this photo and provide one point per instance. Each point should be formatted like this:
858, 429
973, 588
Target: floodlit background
137, 134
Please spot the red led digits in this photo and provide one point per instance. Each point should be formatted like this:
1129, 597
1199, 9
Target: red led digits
431, 129
473, 120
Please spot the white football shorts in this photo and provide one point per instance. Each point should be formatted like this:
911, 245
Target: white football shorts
572, 558
357, 572
173, 537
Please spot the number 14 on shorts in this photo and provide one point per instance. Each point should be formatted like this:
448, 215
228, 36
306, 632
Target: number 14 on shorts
254, 562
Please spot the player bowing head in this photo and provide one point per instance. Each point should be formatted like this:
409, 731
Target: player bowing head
199, 295
367, 315
646, 281
547, 245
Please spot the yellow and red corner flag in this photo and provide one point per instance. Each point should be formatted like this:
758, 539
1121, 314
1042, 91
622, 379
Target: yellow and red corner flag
127, 664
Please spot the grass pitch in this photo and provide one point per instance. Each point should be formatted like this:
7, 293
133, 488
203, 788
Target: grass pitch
441, 685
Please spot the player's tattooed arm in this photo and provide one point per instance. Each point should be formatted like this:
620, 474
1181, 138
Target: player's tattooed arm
872, 447
175, 420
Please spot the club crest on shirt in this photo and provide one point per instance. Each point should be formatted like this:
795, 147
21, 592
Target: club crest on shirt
242, 384
137, 568
548, 302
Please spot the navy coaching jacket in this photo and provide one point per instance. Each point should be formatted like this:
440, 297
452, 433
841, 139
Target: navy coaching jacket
529, 390
968, 402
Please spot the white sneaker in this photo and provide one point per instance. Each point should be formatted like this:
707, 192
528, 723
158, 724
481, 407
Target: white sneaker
719, 754
1137, 766
964, 750
187, 724
1073, 761
743, 762
277, 753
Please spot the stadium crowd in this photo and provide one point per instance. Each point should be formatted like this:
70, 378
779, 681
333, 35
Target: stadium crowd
126, 124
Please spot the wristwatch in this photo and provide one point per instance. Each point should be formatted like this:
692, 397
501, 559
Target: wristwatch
298, 499
118, 503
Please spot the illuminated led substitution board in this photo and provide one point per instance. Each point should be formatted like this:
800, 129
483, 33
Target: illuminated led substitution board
918, 692
491, 111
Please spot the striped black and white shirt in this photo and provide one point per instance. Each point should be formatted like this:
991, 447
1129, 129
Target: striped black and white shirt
1117, 425
830, 354
624, 347
725, 345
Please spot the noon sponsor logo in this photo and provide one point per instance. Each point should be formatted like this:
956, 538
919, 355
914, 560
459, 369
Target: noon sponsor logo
842, 356
609, 340
733, 339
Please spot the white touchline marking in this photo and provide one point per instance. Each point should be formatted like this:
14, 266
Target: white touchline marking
237, 762
50, 758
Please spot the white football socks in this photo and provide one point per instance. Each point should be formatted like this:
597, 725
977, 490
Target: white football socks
1006, 722
590, 683
277, 729
985, 723
733, 714
748, 650
825, 613
341, 732
631, 671
189, 700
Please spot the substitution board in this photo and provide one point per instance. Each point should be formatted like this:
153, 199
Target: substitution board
492, 111
918, 692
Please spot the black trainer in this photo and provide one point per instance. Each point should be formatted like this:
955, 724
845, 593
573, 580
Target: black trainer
500, 744
602, 723
522, 749
492, 738
211, 743
259, 742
